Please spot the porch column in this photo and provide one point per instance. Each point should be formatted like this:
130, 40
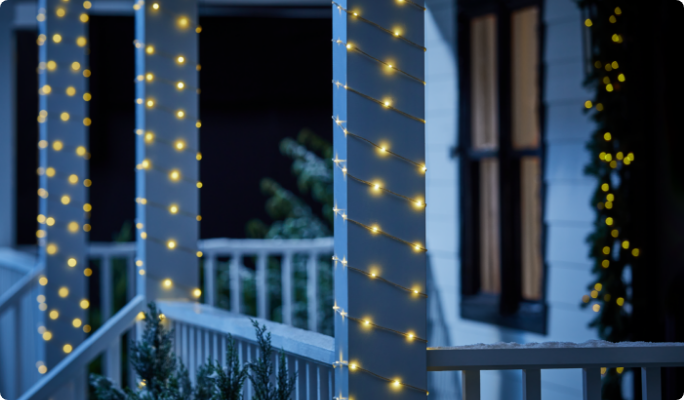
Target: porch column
167, 148
380, 254
63, 169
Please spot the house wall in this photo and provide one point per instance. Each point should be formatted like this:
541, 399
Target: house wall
567, 214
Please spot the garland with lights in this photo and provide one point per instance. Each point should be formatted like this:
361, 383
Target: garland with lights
612, 147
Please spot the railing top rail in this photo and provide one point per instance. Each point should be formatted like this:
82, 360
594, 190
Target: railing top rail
111, 248
305, 344
591, 354
17, 260
78, 360
220, 245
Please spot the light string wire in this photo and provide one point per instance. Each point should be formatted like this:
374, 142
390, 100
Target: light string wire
375, 186
366, 322
164, 81
383, 149
156, 52
354, 367
163, 207
378, 277
176, 245
415, 246
382, 103
413, 4
180, 178
388, 65
394, 34
170, 143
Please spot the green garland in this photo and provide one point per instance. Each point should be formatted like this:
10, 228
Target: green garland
613, 154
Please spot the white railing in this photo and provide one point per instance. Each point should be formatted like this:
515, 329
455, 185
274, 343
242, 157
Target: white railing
19, 306
591, 357
19, 319
237, 249
201, 333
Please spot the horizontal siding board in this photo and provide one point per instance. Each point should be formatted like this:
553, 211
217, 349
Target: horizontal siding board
560, 9
569, 202
563, 41
564, 82
568, 243
567, 285
567, 121
566, 161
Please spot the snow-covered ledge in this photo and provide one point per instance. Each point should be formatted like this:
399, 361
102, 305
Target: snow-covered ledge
591, 356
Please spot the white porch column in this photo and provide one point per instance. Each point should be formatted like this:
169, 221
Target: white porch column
63, 152
167, 148
379, 135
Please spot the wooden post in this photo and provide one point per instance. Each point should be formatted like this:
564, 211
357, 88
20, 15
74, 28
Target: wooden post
379, 146
167, 148
63, 169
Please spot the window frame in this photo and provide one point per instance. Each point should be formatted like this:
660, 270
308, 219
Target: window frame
508, 308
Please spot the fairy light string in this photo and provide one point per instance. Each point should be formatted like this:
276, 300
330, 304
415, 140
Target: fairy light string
394, 33
375, 276
377, 230
386, 104
352, 47
356, 367
383, 149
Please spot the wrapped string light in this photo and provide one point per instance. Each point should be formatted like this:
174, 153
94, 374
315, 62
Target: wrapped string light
394, 33
377, 230
376, 186
393, 382
386, 103
383, 149
375, 276
369, 324
393, 67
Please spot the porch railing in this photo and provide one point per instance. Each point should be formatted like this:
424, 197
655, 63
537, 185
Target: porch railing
201, 333
19, 306
591, 357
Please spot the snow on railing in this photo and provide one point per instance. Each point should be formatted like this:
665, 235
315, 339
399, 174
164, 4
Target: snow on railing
531, 358
201, 333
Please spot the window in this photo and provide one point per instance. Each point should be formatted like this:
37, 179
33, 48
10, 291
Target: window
501, 156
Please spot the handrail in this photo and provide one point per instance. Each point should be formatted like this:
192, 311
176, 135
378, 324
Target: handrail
25, 284
16, 260
87, 351
248, 246
592, 354
305, 344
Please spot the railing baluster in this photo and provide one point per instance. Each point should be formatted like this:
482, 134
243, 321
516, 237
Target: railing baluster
312, 378
192, 349
301, 379
262, 286
18, 346
591, 383
312, 291
286, 282
112, 365
209, 279
471, 385
531, 384
235, 283
130, 277
650, 384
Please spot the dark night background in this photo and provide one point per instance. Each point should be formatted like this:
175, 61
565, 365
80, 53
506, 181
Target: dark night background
253, 95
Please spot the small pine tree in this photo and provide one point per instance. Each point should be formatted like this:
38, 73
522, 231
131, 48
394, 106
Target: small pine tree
263, 369
229, 382
155, 363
